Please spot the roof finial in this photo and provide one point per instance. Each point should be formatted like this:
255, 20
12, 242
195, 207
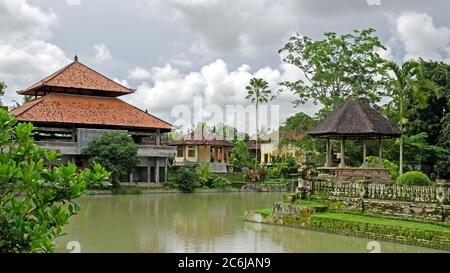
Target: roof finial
75, 58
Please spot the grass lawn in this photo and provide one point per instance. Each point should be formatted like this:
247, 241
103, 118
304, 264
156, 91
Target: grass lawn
381, 221
309, 203
264, 212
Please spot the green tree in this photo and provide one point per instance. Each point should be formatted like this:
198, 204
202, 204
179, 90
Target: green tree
408, 86
240, 156
258, 92
117, 152
36, 196
299, 123
434, 119
336, 68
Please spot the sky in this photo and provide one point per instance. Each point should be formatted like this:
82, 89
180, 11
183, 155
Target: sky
174, 50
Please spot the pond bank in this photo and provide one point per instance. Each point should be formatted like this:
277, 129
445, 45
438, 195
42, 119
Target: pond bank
156, 189
314, 215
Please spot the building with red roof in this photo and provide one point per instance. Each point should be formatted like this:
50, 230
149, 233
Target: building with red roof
76, 104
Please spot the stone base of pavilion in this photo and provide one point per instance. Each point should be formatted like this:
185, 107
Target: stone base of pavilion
354, 173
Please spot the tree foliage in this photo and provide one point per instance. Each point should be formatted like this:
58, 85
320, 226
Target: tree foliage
336, 68
240, 156
36, 196
116, 151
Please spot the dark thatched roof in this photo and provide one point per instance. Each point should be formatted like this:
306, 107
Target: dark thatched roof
355, 119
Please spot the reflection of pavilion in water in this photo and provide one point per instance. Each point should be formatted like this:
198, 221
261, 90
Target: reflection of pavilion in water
354, 120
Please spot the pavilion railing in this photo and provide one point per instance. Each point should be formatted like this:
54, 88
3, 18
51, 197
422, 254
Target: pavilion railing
436, 193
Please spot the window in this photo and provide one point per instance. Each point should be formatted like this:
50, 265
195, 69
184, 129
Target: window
180, 151
191, 151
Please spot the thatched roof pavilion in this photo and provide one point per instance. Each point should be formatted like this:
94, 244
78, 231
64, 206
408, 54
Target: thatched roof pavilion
354, 120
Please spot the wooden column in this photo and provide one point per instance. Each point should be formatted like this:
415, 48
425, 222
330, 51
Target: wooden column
342, 153
380, 153
328, 155
226, 154
214, 154
364, 152
223, 154
184, 152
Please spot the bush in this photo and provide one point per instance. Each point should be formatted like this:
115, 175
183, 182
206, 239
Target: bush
256, 175
372, 161
220, 183
186, 179
415, 178
37, 195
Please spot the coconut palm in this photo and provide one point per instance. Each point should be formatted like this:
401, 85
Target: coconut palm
409, 86
258, 92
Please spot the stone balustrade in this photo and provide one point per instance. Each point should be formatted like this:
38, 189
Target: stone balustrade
437, 193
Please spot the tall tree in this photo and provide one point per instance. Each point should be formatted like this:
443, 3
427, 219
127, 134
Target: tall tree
116, 151
408, 86
258, 92
336, 68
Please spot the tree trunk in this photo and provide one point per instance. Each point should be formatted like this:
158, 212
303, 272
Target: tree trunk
400, 171
257, 134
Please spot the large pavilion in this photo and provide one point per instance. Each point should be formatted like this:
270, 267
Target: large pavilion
355, 120
76, 104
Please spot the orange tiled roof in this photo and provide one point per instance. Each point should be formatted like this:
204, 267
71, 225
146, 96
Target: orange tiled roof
55, 108
77, 76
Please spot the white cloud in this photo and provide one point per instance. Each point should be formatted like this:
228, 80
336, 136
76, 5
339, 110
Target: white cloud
139, 73
215, 84
25, 54
181, 62
420, 36
222, 26
73, 2
102, 54
122, 82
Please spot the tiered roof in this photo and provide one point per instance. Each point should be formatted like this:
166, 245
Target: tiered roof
77, 95
77, 78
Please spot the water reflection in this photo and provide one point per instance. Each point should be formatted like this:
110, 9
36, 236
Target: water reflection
195, 223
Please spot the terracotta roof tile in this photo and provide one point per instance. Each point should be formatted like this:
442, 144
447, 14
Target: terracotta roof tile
78, 76
57, 108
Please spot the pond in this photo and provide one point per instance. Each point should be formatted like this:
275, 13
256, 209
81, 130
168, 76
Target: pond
200, 222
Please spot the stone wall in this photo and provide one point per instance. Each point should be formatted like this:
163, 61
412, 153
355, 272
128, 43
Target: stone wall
427, 212
439, 193
261, 187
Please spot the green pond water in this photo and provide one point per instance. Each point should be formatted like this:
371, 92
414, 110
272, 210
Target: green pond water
201, 222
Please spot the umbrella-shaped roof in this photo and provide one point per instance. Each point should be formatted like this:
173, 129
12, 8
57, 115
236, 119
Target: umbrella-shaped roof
355, 119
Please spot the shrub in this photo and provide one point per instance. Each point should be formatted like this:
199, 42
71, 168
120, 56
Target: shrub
414, 178
372, 161
186, 179
255, 175
204, 174
220, 183
37, 195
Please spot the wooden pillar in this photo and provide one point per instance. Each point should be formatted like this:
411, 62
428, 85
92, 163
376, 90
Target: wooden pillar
214, 154
157, 170
226, 154
197, 152
342, 165
328, 155
184, 152
364, 152
223, 154
380, 153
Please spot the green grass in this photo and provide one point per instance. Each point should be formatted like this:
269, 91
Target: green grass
381, 221
309, 203
264, 212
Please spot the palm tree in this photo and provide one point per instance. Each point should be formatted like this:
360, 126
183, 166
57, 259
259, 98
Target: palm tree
258, 92
410, 86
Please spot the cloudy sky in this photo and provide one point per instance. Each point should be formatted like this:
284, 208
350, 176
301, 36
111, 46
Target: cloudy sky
173, 50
